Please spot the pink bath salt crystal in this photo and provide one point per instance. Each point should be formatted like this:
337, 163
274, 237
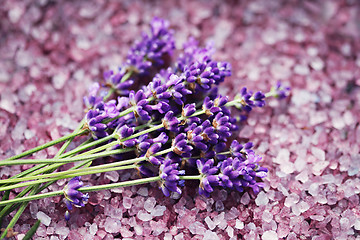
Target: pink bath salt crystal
267, 216
112, 176
283, 230
210, 223
283, 156
112, 225
125, 232
261, 199
199, 203
74, 235
127, 202
149, 204
291, 200
319, 167
144, 216
269, 235
197, 228
318, 153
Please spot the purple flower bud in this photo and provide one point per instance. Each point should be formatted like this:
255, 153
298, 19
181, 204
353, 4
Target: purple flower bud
73, 196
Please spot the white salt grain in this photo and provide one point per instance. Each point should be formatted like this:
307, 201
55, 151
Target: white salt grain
112, 176
261, 199
245, 199
318, 153
143, 191
209, 235
269, 235
267, 216
210, 223
127, 202
44, 219
230, 231
144, 216
239, 224
150, 204
219, 218
158, 211
93, 229
291, 200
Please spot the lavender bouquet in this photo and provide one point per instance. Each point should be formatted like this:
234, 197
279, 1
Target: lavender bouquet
162, 117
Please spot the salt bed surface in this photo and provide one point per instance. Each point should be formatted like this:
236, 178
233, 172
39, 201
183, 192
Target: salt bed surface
52, 51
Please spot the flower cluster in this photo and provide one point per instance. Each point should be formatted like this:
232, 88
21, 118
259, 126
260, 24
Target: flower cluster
180, 112
166, 119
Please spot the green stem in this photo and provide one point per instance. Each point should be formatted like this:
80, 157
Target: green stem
195, 177
81, 172
65, 160
46, 145
83, 189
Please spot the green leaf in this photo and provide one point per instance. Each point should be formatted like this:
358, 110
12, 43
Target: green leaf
32, 231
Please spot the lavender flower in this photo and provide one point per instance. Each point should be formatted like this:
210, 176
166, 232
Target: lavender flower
235, 173
115, 82
153, 49
93, 98
208, 179
73, 196
280, 90
169, 173
139, 102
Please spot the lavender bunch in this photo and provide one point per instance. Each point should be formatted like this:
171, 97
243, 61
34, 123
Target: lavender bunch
175, 127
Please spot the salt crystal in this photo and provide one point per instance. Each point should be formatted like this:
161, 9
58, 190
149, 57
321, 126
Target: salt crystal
197, 228
301, 69
149, 204
127, 202
318, 153
344, 223
219, 218
144, 216
302, 177
93, 229
219, 206
112, 176
210, 223
158, 211
230, 231
18, 132
261, 199
232, 214
338, 122
357, 224
319, 167
180, 236
209, 235
168, 236
239, 224
245, 199
287, 168
314, 189
62, 231
267, 216
143, 191
60, 79
269, 235
45, 219
291, 200
303, 206
112, 225
283, 156
317, 64
301, 97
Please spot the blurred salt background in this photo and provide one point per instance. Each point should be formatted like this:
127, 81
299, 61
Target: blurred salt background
50, 52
